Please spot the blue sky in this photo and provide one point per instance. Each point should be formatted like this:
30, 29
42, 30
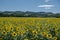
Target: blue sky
30, 5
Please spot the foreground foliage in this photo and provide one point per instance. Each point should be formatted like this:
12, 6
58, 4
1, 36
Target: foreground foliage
29, 28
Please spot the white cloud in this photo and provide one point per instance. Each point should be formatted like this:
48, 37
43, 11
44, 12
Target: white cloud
46, 6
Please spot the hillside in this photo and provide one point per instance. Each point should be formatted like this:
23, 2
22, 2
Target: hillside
28, 14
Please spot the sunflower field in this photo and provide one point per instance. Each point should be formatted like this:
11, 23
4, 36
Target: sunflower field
16, 28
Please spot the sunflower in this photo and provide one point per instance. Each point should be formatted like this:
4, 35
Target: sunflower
14, 34
4, 32
34, 32
17, 28
11, 28
7, 29
55, 38
49, 36
21, 33
44, 34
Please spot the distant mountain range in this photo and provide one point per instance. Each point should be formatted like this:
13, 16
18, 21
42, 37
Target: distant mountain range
28, 14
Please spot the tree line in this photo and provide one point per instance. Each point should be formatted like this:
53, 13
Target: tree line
28, 14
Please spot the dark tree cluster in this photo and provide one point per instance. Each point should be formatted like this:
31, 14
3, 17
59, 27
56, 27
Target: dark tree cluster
28, 14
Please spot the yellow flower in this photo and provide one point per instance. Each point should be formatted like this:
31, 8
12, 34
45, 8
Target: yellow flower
34, 31
14, 34
4, 32
44, 34
10, 28
49, 36
55, 38
21, 33
17, 29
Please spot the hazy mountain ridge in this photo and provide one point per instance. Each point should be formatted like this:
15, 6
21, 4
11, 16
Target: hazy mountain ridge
28, 14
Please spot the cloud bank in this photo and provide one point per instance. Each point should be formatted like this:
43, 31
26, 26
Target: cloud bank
46, 6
